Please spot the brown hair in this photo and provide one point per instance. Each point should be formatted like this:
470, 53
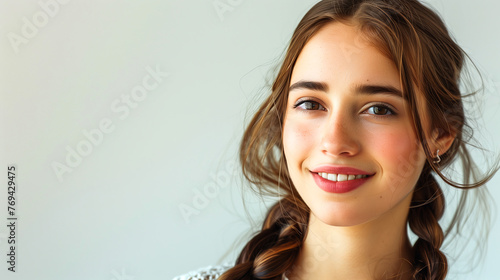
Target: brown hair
430, 64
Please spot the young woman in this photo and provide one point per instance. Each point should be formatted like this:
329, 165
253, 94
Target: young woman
364, 113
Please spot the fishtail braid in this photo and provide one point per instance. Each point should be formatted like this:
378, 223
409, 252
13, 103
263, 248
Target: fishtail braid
427, 208
273, 251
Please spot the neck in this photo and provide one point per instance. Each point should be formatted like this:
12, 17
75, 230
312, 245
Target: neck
378, 249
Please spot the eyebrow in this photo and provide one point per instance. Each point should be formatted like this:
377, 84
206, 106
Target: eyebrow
374, 89
359, 88
317, 86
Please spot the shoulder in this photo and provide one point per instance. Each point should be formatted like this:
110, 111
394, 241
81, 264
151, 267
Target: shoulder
206, 273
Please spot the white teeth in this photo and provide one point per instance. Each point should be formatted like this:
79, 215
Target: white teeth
341, 177
332, 177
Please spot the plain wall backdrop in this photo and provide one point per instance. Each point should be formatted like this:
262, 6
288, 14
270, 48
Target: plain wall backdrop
123, 120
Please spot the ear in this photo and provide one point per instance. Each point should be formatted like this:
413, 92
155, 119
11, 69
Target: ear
442, 140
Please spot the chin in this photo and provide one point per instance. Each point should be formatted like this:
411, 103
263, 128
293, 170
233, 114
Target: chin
339, 217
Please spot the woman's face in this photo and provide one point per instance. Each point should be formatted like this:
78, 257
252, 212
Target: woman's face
347, 134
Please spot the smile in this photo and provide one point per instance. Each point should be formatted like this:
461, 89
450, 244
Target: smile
339, 183
341, 177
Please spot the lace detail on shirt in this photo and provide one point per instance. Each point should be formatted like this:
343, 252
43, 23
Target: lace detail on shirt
207, 273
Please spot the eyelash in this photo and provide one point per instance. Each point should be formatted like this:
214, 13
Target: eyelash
301, 102
390, 110
383, 106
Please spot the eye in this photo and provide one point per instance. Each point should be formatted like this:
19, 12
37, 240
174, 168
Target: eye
380, 110
309, 105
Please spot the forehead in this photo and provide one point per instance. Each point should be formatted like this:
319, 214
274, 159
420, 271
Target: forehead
339, 54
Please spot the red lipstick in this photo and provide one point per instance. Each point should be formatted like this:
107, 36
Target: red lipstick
339, 170
342, 186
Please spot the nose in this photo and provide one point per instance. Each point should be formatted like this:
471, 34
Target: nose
340, 137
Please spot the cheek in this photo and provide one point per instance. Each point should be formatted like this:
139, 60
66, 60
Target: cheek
299, 137
399, 153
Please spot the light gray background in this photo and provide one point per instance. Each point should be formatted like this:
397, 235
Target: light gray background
116, 216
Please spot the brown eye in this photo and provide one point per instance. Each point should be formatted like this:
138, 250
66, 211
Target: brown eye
309, 105
380, 110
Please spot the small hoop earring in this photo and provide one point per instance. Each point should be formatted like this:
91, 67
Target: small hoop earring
437, 159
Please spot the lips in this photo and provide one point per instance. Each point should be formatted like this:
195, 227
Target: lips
331, 169
339, 179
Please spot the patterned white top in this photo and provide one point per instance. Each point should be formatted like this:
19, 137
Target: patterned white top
208, 273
